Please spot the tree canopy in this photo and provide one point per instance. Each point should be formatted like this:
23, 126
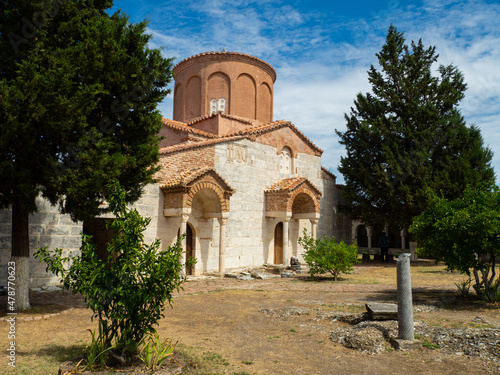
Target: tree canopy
408, 135
465, 234
78, 94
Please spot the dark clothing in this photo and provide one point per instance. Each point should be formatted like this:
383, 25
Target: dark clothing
384, 248
384, 254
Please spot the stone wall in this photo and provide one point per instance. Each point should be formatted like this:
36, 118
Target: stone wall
49, 228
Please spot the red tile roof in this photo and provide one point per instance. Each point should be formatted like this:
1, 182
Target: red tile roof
237, 118
189, 146
188, 176
290, 184
229, 56
266, 128
178, 125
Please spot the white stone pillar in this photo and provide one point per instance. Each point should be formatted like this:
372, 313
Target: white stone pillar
405, 303
184, 220
285, 241
222, 245
314, 228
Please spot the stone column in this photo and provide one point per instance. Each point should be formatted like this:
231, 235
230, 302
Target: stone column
222, 245
184, 220
285, 241
369, 234
405, 305
314, 227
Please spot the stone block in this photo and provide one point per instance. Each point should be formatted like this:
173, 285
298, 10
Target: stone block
400, 344
382, 311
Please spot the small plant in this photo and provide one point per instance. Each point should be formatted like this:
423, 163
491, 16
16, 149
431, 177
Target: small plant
247, 362
293, 330
430, 345
96, 352
464, 286
155, 353
327, 255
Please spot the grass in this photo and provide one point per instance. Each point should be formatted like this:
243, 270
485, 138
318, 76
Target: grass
47, 359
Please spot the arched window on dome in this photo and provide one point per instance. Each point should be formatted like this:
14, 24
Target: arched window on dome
286, 161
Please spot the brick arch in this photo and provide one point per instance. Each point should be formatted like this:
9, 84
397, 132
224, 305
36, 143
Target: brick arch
211, 185
219, 86
178, 105
245, 97
303, 190
192, 98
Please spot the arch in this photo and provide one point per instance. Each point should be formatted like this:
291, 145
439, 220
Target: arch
192, 107
265, 103
303, 204
362, 236
244, 97
307, 205
178, 102
218, 86
214, 197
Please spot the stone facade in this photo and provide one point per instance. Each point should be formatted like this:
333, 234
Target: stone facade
240, 186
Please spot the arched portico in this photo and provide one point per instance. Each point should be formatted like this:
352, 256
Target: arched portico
292, 200
198, 197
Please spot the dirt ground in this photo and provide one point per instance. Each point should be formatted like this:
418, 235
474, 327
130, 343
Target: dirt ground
225, 316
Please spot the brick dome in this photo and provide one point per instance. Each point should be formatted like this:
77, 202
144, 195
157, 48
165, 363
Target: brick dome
236, 84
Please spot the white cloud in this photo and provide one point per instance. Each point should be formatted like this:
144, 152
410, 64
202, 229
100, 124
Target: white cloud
321, 59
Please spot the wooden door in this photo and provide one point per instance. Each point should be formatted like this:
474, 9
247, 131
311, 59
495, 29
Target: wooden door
278, 243
189, 247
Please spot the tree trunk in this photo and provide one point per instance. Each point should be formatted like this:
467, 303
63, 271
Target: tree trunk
21, 256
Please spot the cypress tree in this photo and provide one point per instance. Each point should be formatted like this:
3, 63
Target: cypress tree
78, 94
407, 136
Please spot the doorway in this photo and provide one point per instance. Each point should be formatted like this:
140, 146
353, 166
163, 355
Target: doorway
189, 247
278, 243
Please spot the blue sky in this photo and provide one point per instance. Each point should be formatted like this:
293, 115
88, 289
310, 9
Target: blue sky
321, 51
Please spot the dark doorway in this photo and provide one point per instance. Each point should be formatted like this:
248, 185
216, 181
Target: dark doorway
100, 235
189, 247
278, 243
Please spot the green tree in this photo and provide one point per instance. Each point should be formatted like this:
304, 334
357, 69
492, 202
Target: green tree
465, 234
78, 94
408, 135
127, 291
325, 254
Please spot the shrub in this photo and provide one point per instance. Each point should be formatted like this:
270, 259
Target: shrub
327, 255
465, 234
128, 290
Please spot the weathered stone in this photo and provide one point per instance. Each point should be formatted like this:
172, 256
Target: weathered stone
400, 344
287, 274
405, 304
382, 311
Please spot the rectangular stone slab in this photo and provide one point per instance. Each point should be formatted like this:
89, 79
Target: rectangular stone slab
382, 311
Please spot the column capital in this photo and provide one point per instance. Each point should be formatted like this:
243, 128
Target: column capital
222, 220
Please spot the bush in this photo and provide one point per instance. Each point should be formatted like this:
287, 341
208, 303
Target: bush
465, 234
128, 290
327, 255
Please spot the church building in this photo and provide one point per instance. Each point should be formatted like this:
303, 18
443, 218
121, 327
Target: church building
241, 185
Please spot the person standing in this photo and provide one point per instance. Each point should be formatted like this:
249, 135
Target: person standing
383, 243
